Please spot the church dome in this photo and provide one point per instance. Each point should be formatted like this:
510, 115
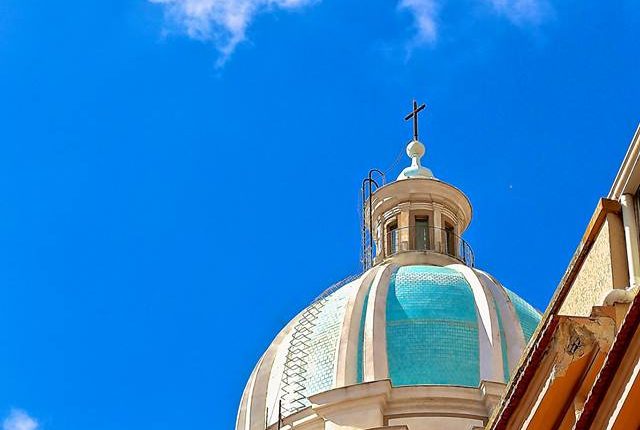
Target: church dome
414, 325
420, 339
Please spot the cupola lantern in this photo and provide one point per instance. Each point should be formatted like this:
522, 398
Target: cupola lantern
418, 218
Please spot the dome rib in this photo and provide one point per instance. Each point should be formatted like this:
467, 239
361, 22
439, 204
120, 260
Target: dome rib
514, 340
375, 335
349, 360
489, 339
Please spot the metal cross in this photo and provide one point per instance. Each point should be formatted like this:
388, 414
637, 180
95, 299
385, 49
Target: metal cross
414, 114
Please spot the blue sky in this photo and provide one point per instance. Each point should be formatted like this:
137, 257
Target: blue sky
179, 178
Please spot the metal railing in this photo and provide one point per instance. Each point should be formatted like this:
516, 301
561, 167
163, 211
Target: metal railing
294, 377
426, 238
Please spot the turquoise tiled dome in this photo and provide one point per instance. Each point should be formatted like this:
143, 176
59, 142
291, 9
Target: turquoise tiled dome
432, 328
414, 324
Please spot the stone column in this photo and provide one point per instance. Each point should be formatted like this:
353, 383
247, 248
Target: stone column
438, 231
380, 240
404, 228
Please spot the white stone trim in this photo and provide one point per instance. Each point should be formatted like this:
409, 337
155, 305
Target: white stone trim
250, 412
490, 352
242, 420
376, 366
514, 334
347, 351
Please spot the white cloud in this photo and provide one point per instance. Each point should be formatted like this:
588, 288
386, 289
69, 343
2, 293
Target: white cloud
523, 11
223, 22
520, 12
19, 420
425, 13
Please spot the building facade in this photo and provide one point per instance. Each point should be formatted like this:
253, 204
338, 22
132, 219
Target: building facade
422, 339
582, 368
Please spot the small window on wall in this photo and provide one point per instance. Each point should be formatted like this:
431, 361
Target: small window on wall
449, 239
422, 233
392, 238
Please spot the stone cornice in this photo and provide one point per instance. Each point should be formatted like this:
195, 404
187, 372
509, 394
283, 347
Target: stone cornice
421, 400
422, 190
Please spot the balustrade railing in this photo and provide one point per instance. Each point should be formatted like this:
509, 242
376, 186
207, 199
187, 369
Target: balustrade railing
426, 238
